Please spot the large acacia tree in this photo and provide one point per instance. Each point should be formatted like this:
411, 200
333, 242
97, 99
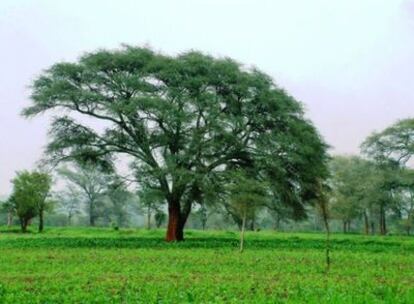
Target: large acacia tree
182, 119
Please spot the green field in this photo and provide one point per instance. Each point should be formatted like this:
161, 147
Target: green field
136, 266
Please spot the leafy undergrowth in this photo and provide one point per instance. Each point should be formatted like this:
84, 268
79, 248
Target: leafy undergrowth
137, 266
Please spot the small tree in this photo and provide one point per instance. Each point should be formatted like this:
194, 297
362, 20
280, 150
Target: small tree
245, 195
8, 207
202, 215
350, 182
29, 197
69, 202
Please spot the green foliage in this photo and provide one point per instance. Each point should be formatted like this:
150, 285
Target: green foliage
245, 193
395, 143
352, 186
364, 189
69, 203
403, 199
88, 266
160, 218
29, 197
392, 149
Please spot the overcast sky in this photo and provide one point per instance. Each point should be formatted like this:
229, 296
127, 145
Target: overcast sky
351, 63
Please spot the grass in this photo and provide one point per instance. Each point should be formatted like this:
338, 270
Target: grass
84, 265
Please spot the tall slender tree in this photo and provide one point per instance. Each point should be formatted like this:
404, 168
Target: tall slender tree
245, 194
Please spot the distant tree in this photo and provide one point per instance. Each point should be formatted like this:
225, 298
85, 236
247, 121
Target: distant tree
91, 183
29, 197
395, 143
350, 176
202, 215
181, 119
279, 212
404, 200
391, 149
362, 188
119, 198
9, 208
387, 178
159, 217
150, 200
69, 202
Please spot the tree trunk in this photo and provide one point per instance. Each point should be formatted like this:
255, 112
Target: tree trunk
23, 224
203, 216
9, 219
92, 213
148, 217
372, 227
92, 220
366, 223
239, 225
276, 222
253, 222
344, 226
175, 227
380, 223
383, 228
120, 221
328, 236
348, 229
41, 222
243, 228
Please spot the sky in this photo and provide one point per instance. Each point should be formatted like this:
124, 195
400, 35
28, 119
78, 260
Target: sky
350, 62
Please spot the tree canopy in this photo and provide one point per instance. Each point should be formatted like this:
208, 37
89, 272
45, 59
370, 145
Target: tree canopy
395, 143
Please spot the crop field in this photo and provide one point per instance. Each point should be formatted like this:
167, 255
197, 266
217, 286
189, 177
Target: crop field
74, 265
